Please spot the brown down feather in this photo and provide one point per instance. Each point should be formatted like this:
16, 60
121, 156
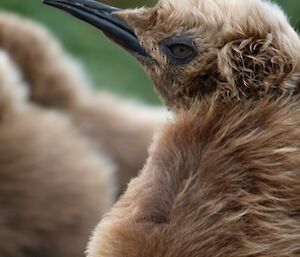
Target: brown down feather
222, 178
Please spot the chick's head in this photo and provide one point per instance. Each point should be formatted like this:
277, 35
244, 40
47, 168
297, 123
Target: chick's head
228, 49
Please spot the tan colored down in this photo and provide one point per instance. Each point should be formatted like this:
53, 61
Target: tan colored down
223, 178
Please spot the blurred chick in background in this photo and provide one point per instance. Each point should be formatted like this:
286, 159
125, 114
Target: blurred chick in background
121, 128
53, 185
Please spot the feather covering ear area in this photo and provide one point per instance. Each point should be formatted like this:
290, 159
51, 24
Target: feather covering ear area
255, 67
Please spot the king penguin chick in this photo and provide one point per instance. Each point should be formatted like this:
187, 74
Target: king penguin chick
223, 178
53, 186
122, 129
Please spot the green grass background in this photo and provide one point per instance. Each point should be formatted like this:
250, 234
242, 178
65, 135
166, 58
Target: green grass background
107, 65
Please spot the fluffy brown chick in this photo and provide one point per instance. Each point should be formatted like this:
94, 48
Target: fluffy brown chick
223, 178
53, 186
121, 129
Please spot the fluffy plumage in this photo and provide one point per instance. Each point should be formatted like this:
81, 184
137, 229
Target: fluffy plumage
53, 185
223, 178
216, 184
122, 129
245, 49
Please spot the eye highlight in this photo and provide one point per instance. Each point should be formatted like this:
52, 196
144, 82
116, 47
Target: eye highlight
179, 50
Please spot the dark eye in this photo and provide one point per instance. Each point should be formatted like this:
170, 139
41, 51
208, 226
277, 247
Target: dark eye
181, 51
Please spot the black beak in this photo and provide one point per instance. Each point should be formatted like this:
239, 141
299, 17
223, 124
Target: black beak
101, 16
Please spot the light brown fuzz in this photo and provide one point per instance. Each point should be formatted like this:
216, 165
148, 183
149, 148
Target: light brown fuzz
223, 178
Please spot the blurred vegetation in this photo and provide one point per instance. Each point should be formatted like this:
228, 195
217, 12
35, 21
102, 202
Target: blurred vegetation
108, 66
